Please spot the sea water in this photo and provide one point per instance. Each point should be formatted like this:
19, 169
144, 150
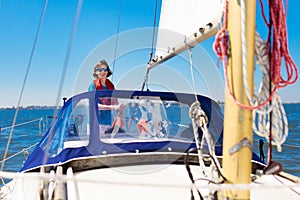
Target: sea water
24, 137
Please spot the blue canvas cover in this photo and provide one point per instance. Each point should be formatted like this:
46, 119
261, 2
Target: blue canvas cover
151, 121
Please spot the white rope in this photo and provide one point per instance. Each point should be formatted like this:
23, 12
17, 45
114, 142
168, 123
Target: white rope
261, 116
200, 119
65, 65
194, 115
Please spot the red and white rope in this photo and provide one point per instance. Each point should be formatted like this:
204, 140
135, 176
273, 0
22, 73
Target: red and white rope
260, 104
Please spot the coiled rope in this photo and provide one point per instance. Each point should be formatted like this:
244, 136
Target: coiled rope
266, 103
278, 52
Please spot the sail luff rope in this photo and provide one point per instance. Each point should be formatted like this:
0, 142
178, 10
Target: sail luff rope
117, 39
65, 66
24, 82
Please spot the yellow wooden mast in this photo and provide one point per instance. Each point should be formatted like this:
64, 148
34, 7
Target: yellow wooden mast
238, 121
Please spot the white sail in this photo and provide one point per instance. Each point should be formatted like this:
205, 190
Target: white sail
182, 18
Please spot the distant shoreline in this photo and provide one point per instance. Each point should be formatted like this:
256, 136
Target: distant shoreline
54, 107
221, 102
30, 108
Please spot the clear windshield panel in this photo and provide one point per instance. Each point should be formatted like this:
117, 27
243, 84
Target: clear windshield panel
144, 119
70, 130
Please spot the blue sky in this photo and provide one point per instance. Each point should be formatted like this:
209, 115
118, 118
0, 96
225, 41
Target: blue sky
94, 39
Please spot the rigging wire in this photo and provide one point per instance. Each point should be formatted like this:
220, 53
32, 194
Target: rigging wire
22, 151
24, 82
192, 72
269, 49
117, 39
25, 149
15, 125
145, 82
65, 66
153, 31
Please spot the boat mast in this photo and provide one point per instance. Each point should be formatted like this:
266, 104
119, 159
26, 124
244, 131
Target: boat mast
237, 142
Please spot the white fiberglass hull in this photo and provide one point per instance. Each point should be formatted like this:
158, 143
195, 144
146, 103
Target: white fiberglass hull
147, 182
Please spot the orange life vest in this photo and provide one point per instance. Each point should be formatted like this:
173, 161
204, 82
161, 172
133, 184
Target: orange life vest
110, 86
108, 83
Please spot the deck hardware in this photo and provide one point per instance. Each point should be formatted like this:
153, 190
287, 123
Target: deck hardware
243, 143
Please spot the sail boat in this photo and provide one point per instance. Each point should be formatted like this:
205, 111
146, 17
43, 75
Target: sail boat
172, 146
